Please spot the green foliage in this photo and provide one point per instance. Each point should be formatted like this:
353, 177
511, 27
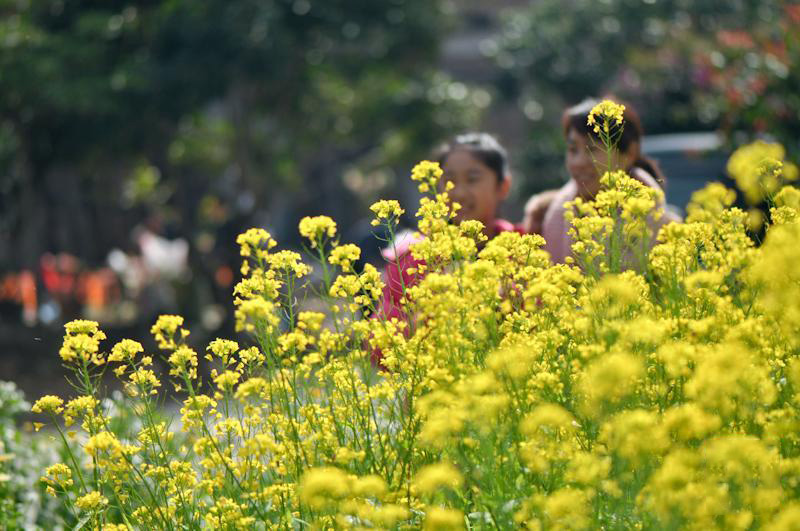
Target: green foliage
276, 94
669, 58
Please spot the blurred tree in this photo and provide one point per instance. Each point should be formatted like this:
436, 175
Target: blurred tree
653, 54
108, 104
749, 73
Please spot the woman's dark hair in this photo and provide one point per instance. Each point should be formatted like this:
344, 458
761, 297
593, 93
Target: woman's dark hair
482, 146
576, 118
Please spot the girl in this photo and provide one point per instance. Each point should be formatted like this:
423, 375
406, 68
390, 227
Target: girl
585, 160
477, 165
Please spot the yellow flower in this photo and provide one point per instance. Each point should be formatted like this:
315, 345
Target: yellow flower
385, 210
83, 327
757, 168
755, 219
81, 348
59, 475
730, 381
433, 477
255, 241
708, 203
316, 229
251, 357
568, 508
568, 397
167, 330
587, 469
288, 262
91, 502
193, 410
101, 442
250, 312
83, 406
371, 486
442, 519
228, 514
143, 379
322, 487
605, 114
48, 404
226, 380
787, 520
426, 169
550, 419
689, 422
183, 361
634, 435
125, 350
550, 437
223, 349
344, 256
427, 173
251, 387
788, 196
608, 380
345, 286
310, 320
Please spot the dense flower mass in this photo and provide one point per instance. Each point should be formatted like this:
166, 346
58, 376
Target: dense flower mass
759, 169
654, 383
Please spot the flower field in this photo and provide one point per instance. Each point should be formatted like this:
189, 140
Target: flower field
650, 384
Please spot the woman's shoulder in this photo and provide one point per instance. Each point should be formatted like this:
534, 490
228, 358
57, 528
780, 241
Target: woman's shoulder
567, 192
644, 177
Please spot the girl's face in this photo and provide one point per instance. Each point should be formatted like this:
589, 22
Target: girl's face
586, 161
475, 187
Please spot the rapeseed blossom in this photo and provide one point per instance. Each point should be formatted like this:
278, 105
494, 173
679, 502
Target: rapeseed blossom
91, 502
759, 169
48, 404
434, 477
653, 383
317, 229
385, 210
426, 173
605, 115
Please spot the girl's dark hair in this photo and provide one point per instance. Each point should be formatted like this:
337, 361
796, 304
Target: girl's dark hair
576, 118
482, 146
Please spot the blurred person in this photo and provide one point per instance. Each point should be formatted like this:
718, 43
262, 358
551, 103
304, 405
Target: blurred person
19, 289
477, 165
584, 160
150, 268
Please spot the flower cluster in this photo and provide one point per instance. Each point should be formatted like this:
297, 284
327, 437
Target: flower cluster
605, 115
317, 229
427, 174
759, 170
82, 343
386, 210
654, 383
615, 230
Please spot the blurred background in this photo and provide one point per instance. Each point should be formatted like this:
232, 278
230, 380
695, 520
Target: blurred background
138, 138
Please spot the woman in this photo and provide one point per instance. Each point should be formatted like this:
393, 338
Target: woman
585, 162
